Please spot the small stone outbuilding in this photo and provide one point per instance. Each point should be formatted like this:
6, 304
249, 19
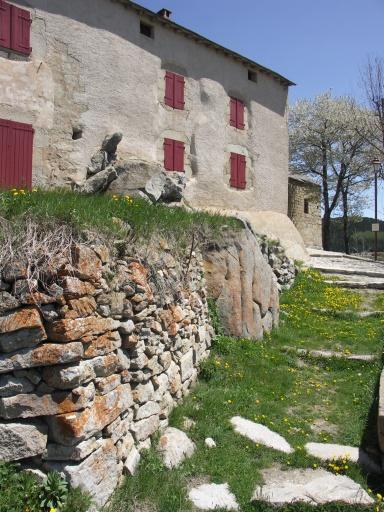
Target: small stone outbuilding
304, 208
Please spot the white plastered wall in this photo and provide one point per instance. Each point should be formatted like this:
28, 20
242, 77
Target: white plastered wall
91, 68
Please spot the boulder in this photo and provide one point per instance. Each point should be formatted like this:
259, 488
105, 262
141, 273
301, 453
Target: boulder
175, 446
99, 182
22, 440
111, 142
166, 187
133, 176
99, 162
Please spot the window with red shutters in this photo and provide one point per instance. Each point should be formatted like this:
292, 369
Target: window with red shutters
16, 147
5, 24
20, 30
238, 171
15, 28
237, 110
174, 151
174, 90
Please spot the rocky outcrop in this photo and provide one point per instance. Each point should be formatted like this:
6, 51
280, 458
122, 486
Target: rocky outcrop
91, 371
243, 285
132, 177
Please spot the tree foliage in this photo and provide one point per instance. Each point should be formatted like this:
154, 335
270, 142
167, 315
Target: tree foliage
326, 145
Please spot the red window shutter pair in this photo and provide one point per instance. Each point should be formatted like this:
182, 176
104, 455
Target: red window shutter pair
237, 113
15, 28
238, 168
16, 147
174, 90
174, 155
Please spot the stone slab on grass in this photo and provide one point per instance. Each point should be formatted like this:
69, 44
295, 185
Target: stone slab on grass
315, 487
175, 446
260, 434
324, 451
213, 497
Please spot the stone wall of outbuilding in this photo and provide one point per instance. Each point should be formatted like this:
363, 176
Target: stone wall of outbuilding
96, 352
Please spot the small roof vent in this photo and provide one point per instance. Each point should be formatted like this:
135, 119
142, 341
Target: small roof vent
165, 13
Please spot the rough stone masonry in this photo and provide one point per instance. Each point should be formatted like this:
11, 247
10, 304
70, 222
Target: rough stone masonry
95, 353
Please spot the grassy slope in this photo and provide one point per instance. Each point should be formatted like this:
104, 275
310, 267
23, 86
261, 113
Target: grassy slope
259, 382
108, 215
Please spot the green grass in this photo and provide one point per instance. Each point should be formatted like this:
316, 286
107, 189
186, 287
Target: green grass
21, 492
261, 383
111, 216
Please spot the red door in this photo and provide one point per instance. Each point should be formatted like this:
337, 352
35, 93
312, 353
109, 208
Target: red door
16, 147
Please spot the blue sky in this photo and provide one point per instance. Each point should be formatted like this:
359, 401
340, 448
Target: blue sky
318, 44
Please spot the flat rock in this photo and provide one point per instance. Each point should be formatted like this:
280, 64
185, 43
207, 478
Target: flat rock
22, 440
260, 434
175, 446
11, 385
212, 497
58, 402
324, 451
73, 428
74, 329
98, 475
315, 487
21, 329
45, 355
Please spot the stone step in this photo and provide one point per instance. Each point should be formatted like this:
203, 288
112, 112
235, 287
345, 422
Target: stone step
356, 271
329, 354
348, 312
368, 284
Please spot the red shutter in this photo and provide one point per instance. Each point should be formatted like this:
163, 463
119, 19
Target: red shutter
233, 115
241, 168
179, 149
21, 30
16, 147
169, 89
5, 25
234, 167
168, 154
179, 92
240, 114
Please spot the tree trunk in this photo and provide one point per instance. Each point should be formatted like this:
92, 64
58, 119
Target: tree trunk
327, 214
344, 196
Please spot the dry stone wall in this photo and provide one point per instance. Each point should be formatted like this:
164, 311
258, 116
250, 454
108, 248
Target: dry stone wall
93, 361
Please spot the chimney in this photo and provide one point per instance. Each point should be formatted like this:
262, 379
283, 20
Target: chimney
165, 13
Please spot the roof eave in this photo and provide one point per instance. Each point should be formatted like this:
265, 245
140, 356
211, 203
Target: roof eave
189, 33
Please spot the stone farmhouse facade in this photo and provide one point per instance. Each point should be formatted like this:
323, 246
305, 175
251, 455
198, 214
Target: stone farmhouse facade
304, 209
72, 72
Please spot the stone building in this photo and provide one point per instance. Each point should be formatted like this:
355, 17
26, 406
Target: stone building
72, 72
304, 209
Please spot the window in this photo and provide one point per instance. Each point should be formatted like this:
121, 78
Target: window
306, 206
146, 29
15, 28
174, 90
16, 146
174, 155
237, 113
238, 169
252, 76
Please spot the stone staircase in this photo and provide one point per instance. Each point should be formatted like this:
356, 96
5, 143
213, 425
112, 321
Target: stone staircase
347, 271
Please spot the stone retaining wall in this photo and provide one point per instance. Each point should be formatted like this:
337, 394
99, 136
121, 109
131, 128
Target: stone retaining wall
93, 360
